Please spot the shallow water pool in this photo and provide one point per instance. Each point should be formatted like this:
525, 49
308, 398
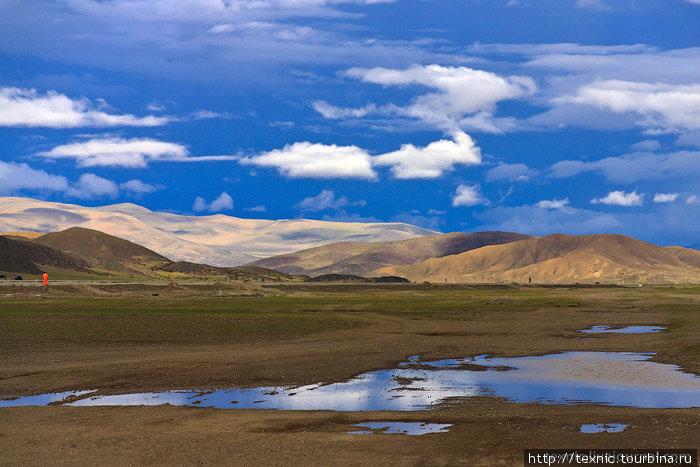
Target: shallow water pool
607, 378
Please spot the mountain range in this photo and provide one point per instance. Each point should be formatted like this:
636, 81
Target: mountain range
480, 257
218, 240
85, 253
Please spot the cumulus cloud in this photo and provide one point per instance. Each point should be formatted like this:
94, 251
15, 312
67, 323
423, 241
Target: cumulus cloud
137, 187
91, 186
223, 202
510, 172
324, 201
665, 197
309, 160
432, 160
658, 106
119, 152
620, 198
16, 177
460, 90
28, 108
553, 203
468, 195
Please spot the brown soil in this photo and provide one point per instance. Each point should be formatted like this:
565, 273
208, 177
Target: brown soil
486, 431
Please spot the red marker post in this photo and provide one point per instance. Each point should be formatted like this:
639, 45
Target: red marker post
46, 278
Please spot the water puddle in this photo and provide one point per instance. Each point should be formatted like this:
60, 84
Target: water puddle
603, 428
625, 330
607, 378
44, 399
404, 428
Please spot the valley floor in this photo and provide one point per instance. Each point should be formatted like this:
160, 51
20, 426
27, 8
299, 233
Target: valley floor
151, 337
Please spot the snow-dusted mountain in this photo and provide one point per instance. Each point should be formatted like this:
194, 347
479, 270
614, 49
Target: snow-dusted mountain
218, 240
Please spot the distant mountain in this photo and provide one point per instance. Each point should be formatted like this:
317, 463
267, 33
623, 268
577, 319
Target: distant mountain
360, 259
218, 240
561, 258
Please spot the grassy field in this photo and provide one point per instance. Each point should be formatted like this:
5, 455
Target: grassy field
123, 338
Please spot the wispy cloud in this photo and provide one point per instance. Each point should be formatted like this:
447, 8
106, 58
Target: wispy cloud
28, 108
119, 152
460, 91
325, 201
553, 203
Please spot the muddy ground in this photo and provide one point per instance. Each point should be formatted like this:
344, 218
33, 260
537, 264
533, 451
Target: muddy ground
123, 338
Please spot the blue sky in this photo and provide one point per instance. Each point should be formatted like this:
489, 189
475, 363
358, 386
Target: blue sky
573, 116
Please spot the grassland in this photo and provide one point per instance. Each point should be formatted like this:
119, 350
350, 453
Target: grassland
124, 338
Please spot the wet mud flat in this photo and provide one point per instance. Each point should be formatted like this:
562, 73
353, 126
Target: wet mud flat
382, 330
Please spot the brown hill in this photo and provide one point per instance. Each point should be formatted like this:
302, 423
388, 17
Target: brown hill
360, 259
103, 251
20, 256
561, 258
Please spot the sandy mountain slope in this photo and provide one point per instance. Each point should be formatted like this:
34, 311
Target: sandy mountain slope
355, 258
561, 258
218, 240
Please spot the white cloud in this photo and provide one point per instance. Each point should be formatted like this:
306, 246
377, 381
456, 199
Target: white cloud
633, 167
91, 186
259, 208
537, 221
553, 203
510, 172
593, 4
138, 187
460, 90
215, 12
647, 145
324, 201
620, 198
432, 160
119, 152
309, 160
658, 106
692, 199
15, 177
28, 108
665, 197
332, 112
223, 202
468, 195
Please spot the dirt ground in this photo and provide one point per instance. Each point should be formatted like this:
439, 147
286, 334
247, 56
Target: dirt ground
386, 325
